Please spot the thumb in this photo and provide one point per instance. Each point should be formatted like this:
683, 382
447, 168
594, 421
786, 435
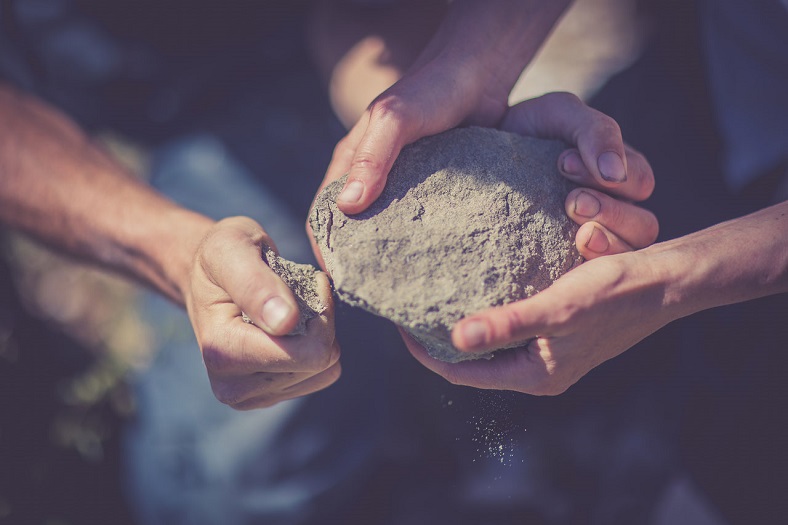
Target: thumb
233, 261
389, 127
502, 326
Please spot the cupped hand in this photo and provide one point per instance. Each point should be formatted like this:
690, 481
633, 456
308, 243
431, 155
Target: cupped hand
255, 365
595, 311
591, 314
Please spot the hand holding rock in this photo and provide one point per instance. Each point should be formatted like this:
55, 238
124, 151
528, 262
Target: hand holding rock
253, 365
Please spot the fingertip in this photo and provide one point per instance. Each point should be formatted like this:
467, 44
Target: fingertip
582, 205
358, 195
611, 167
279, 315
351, 194
594, 240
591, 240
570, 163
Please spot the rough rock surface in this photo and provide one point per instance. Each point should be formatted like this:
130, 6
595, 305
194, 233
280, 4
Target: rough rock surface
469, 219
302, 280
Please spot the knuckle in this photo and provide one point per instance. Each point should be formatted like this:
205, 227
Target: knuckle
615, 213
217, 360
607, 123
213, 243
230, 229
225, 235
366, 161
606, 127
251, 295
389, 108
395, 112
507, 325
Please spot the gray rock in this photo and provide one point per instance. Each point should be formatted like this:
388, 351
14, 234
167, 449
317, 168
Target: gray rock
302, 280
469, 219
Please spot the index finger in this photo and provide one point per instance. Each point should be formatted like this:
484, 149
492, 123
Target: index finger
502, 326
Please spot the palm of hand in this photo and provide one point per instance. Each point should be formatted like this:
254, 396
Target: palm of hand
590, 315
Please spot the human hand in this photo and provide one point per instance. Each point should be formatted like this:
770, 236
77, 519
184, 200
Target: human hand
463, 76
254, 366
604, 306
591, 314
424, 102
562, 319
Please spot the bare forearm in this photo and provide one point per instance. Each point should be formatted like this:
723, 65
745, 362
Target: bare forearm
500, 37
56, 185
731, 262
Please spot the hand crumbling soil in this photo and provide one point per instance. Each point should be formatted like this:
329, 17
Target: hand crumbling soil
302, 280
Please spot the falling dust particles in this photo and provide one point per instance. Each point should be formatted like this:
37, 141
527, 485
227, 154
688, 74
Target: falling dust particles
492, 427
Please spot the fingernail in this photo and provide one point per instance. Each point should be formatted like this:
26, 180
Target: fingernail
275, 313
352, 192
611, 167
572, 163
597, 242
586, 205
474, 333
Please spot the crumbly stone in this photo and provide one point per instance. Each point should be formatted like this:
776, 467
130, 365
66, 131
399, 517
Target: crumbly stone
469, 219
302, 280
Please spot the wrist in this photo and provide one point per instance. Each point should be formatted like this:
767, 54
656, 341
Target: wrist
731, 262
173, 249
679, 273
